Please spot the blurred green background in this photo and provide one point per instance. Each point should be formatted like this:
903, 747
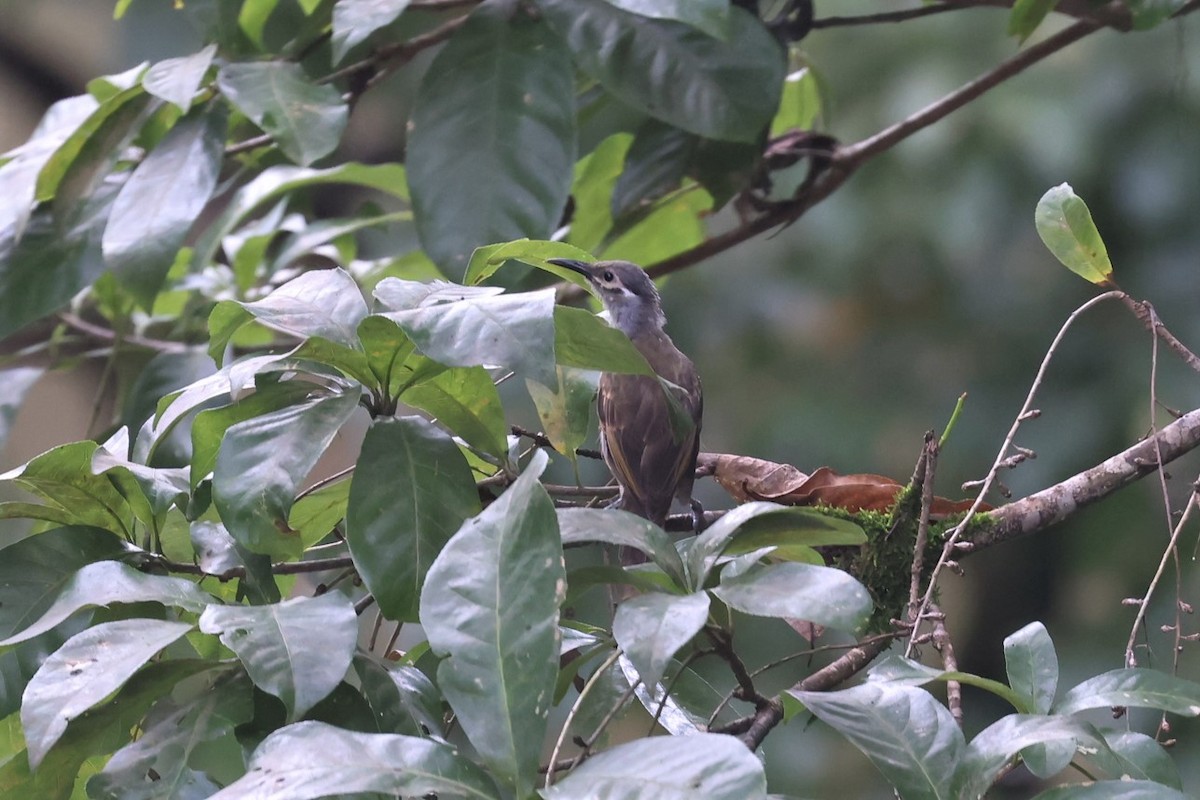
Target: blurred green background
842, 339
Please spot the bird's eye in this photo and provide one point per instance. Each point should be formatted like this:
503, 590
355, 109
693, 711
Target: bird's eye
608, 276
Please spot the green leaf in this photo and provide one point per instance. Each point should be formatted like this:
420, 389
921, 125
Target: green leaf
514, 331
412, 489
708, 765
305, 119
15, 383
992, 749
253, 16
325, 303
799, 105
725, 90
311, 759
795, 528
403, 699
262, 462
1142, 758
276, 182
1027, 15
716, 537
622, 528
585, 341
85, 670
105, 582
171, 734
297, 650
491, 142
319, 512
490, 604
595, 179
160, 202
897, 669
1032, 665
465, 400
355, 20
1142, 688
485, 261
63, 477
566, 409
52, 261
149, 491
909, 736
209, 427
655, 164
396, 294
710, 16
675, 225
823, 595
1113, 790
652, 627
1065, 225
88, 153
1149, 14
176, 80
32, 573
95, 733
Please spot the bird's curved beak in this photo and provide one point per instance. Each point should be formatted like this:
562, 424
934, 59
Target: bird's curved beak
582, 267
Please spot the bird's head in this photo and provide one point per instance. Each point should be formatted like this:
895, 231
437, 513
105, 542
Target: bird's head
627, 292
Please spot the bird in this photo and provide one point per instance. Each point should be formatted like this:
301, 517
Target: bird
653, 461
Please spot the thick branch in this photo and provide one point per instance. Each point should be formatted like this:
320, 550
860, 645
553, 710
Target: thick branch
1054, 504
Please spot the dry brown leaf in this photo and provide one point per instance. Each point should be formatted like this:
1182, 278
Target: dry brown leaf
747, 478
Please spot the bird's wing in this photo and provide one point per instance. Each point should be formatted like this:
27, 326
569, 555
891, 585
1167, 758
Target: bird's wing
641, 448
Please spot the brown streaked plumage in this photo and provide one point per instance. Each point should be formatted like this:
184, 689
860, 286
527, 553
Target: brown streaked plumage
652, 462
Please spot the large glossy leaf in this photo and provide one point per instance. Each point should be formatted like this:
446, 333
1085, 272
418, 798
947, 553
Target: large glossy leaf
708, 765
625, 529
1142, 688
490, 604
96, 732
716, 537
32, 573
312, 759
710, 16
718, 89
492, 139
209, 426
53, 261
1032, 665
170, 735
595, 177
895, 668
823, 595
273, 183
565, 410
18, 176
1065, 225
355, 20
63, 476
150, 491
412, 490
160, 202
651, 628
397, 294
583, 340
656, 163
908, 735
990, 751
403, 698
85, 670
514, 331
465, 400
297, 650
262, 462
105, 582
485, 261
1141, 757
304, 118
177, 80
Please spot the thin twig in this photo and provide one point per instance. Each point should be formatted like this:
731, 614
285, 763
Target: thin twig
1144, 604
282, 568
942, 643
885, 16
109, 335
592, 680
326, 481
